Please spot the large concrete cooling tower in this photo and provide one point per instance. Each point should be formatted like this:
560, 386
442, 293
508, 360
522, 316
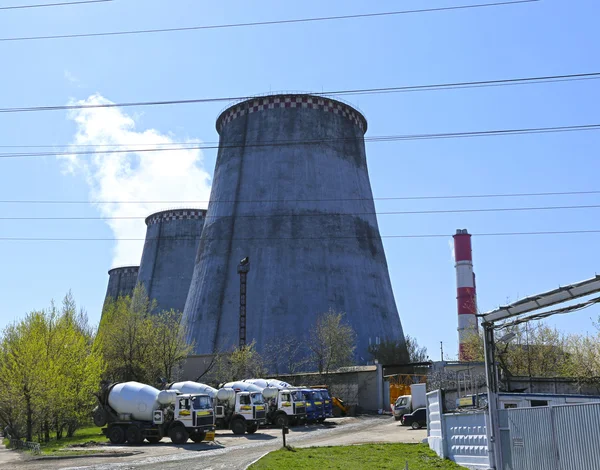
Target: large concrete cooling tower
170, 248
291, 191
121, 281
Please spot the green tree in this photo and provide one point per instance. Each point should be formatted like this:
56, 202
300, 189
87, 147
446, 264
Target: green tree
170, 348
48, 371
239, 364
125, 338
332, 343
138, 343
534, 350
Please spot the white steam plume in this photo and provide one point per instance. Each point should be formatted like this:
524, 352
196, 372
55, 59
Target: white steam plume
132, 176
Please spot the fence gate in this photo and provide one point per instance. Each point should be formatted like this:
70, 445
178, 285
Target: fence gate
563, 437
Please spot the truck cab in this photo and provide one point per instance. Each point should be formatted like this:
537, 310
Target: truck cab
327, 402
315, 408
287, 407
194, 411
245, 414
402, 406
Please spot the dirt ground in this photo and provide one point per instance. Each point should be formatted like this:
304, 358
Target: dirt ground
228, 451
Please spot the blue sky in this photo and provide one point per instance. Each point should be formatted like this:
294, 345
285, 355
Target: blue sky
549, 37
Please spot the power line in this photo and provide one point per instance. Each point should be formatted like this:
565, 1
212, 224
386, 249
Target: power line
433, 235
333, 214
262, 23
42, 5
358, 91
398, 198
390, 138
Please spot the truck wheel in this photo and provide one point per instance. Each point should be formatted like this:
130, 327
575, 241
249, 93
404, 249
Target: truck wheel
415, 425
178, 435
321, 420
153, 439
134, 435
198, 437
238, 426
116, 435
281, 420
252, 428
99, 417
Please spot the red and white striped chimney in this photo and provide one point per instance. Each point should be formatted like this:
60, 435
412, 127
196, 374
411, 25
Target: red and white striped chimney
465, 291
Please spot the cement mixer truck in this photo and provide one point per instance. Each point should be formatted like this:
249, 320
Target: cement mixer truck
132, 412
242, 411
284, 404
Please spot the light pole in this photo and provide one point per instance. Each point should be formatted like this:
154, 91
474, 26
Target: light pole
243, 269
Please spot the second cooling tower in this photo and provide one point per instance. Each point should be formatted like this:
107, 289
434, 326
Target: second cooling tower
170, 247
291, 191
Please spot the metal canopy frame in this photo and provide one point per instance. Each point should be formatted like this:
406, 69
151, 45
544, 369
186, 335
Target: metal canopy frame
521, 307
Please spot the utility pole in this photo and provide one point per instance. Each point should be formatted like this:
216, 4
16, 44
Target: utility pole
243, 269
442, 350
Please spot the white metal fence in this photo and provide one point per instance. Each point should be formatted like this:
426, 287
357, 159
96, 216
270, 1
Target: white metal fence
461, 437
562, 437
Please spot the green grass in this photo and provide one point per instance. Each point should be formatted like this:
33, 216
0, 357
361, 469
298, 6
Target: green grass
367, 456
82, 436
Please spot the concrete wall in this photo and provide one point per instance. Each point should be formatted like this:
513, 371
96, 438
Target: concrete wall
460, 437
121, 281
170, 248
304, 214
361, 386
195, 365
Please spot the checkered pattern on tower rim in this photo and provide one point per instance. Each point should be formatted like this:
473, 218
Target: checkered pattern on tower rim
126, 270
302, 101
181, 214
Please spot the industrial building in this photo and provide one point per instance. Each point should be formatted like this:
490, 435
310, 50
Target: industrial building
291, 195
121, 281
170, 248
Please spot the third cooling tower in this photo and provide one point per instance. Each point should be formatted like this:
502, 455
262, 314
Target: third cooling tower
167, 265
291, 192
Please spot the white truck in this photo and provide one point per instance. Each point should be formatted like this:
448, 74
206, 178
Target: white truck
285, 405
241, 411
132, 412
406, 404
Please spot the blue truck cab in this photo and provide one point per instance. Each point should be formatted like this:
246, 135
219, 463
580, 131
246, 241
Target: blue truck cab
327, 403
315, 410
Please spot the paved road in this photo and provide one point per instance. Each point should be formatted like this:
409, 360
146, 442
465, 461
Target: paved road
233, 452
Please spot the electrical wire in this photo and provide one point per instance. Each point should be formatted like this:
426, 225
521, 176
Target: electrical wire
332, 214
42, 5
398, 198
263, 23
390, 138
355, 237
359, 91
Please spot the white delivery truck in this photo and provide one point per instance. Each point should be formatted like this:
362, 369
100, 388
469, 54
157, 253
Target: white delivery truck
406, 404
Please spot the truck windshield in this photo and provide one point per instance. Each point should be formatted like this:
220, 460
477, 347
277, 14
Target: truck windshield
257, 399
317, 396
402, 401
201, 403
297, 396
